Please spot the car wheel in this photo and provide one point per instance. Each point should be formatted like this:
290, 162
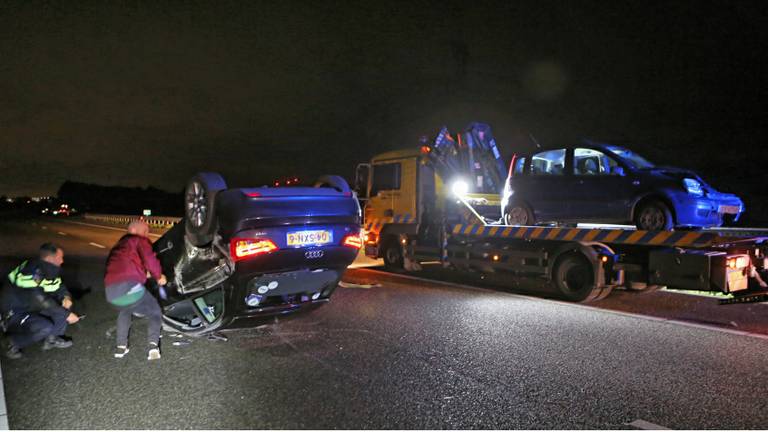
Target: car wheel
653, 216
518, 214
334, 181
393, 255
575, 279
199, 212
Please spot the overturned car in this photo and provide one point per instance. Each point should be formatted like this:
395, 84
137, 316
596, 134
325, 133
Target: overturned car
244, 255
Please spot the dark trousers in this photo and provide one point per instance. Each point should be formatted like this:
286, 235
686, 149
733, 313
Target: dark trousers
27, 329
148, 307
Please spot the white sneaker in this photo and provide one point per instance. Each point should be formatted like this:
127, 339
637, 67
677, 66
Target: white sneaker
121, 351
154, 352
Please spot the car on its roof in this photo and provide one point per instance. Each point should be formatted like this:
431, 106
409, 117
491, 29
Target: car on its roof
242, 256
603, 183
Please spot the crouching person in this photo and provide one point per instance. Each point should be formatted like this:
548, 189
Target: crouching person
128, 264
35, 303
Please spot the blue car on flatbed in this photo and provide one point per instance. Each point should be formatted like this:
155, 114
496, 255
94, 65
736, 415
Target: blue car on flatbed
244, 255
602, 183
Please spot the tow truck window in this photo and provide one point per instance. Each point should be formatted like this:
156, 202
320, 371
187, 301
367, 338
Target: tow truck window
385, 177
550, 162
592, 162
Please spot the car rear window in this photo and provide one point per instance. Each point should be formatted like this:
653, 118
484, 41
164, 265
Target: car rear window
551, 162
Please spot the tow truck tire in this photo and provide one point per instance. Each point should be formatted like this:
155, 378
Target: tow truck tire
574, 277
654, 216
199, 212
334, 181
392, 254
518, 214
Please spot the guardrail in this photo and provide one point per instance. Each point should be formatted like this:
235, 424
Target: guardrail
153, 221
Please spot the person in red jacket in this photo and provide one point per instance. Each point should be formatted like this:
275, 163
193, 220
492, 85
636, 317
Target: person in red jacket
128, 264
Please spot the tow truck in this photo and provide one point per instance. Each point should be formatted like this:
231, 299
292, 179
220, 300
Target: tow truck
440, 202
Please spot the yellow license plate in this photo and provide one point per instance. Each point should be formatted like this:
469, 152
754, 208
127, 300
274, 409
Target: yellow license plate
314, 237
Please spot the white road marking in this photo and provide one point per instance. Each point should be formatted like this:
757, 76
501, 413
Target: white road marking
62, 233
578, 306
642, 424
107, 227
97, 245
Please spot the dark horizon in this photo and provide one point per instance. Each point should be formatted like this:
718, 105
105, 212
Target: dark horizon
137, 96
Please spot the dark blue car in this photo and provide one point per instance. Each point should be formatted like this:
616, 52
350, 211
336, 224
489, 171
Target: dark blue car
601, 183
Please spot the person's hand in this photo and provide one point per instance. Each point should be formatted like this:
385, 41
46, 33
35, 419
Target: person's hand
162, 280
72, 318
66, 303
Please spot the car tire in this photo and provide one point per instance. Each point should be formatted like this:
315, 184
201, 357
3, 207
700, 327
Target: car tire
518, 214
199, 212
574, 278
334, 181
393, 254
654, 216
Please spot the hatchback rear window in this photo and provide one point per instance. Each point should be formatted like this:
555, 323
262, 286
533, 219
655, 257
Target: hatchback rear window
551, 162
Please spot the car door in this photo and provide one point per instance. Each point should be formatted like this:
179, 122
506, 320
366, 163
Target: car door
544, 186
601, 190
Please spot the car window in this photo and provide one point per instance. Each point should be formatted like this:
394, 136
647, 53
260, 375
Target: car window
385, 177
519, 164
632, 158
549, 162
592, 162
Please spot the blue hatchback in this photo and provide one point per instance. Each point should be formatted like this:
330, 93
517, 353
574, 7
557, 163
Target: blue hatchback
602, 183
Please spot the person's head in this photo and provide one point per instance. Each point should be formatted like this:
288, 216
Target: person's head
52, 253
139, 228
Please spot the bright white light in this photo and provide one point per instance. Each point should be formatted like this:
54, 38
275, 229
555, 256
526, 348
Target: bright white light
460, 188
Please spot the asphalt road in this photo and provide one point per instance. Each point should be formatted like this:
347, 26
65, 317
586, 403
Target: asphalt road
404, 353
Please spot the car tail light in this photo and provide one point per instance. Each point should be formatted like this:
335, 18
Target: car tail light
353, 240
241, 248
738, 262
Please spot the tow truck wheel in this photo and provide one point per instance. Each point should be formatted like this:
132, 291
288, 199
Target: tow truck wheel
518, 214
653, 216
334, 181
393, 255
199, 197
574, 278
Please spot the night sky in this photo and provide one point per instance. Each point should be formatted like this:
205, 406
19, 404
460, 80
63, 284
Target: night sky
139, 95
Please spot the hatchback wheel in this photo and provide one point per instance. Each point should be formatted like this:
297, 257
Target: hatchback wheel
199, 212
518, 214
653, 216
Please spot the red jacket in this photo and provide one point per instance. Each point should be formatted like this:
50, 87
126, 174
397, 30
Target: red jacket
130, 260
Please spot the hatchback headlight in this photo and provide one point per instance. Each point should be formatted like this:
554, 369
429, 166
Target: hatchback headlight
693, 186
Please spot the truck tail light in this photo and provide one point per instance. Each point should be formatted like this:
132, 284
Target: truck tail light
353, 240
738, 262
371, 238
242, 248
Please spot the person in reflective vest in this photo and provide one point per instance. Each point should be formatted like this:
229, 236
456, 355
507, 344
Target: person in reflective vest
35, 303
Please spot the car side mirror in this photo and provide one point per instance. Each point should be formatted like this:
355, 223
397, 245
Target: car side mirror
617, 170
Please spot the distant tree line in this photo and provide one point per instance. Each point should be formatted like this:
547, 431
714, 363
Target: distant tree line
93, 198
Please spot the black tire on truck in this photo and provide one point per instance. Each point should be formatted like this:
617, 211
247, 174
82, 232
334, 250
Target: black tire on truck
574, 277
654, 216
392, 253
334, 181
518, 214
199, 209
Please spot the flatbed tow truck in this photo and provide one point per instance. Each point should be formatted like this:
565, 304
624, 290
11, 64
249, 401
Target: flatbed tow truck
411, 216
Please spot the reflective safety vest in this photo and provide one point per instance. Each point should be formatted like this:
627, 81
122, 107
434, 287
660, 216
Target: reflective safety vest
34, 280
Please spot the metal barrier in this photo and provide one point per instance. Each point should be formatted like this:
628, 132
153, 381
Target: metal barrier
153, 221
